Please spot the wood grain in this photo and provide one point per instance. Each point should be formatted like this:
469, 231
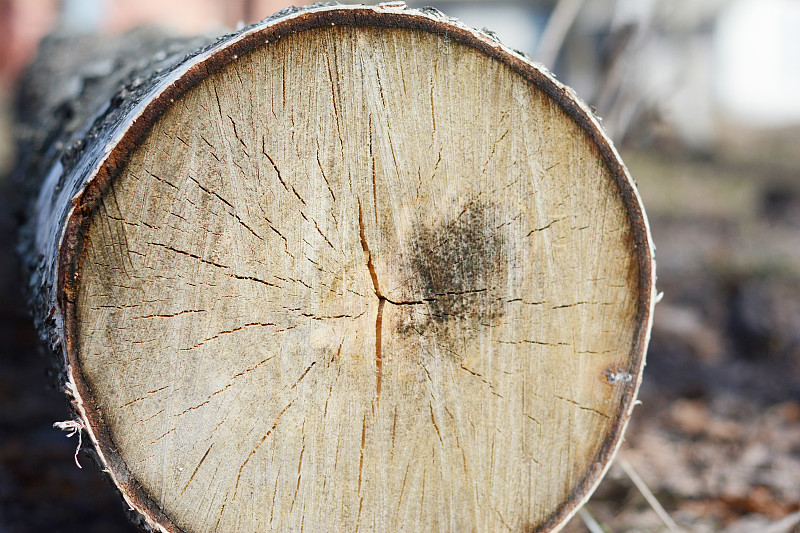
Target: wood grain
365, 276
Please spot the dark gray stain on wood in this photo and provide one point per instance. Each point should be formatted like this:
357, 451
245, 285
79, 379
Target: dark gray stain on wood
458, 265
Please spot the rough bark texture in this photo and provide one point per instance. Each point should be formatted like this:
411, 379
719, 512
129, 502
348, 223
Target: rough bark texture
347, 268
69, 102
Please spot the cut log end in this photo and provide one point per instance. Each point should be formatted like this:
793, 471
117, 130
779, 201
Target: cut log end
365, 273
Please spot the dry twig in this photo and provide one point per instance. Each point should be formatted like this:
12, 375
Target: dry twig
648, 494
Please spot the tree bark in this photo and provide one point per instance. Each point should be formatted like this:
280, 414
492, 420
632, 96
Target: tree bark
348, 268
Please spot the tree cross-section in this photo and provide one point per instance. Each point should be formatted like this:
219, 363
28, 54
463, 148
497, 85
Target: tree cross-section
350, 268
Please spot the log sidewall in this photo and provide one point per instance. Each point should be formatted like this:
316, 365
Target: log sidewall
71, 247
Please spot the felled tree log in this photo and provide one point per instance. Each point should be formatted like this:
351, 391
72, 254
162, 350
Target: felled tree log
349, 268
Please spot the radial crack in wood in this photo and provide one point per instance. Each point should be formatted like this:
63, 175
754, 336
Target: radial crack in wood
357, 269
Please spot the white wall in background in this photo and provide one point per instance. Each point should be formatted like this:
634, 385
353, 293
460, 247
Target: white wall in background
757, 63
83, 16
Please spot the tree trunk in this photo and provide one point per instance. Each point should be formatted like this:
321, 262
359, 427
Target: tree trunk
348, 268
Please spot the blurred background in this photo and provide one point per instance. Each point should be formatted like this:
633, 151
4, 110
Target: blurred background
702, 98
